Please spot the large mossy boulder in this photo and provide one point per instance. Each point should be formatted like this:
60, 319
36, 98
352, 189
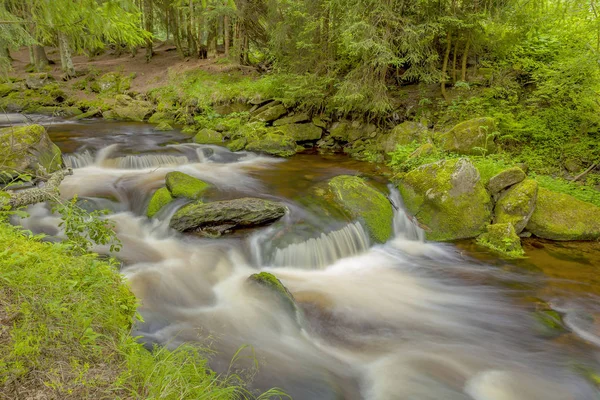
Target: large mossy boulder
184, 185
358, 200
301, 132
472, 137
504, 179
268, 283
516, 204
503, 239
208, 136
37, 81
403, 134
112, 83
559, 216
273, 143
129, 110
25, 149
448, 199
159, 199
218, 217
349, 131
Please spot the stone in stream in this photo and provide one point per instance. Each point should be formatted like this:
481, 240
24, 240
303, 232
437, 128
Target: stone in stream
208, 136
448, 199
474, 136
184, 185
273, 143
504, 179
159, 199
269, 283
25, 150
128, 109
503, 239
559, 216
516, 204
218, 217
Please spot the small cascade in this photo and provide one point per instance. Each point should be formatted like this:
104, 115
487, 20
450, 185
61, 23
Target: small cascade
146, 161
79, 160
317, 253
404, 226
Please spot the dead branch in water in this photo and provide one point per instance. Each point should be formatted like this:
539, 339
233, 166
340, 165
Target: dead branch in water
49, 190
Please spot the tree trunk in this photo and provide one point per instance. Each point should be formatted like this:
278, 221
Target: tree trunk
31, 56
454, 61
190, 27
445, 65
148, 25
226, 34
464, 61
65, 56
41, 60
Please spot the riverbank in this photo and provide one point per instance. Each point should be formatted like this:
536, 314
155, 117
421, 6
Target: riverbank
65, 332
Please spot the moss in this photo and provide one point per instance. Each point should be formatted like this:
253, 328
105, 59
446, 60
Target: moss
274, 144
516, 205
184, 185
160, 117
475, 136
503, 239
363, 202
163, 127
8, 88
274, 286
111, 83
159, 199
448, 199
208, 136
559, 216
237, 144
135, 110
294, 119
403, 134
271, 113
301, 132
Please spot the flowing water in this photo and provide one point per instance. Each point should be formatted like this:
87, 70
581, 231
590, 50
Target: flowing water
403, 320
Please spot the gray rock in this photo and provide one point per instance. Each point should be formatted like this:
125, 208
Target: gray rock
504, 179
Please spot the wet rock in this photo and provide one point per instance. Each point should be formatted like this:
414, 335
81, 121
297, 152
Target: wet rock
184, 185
301, 132
163, 127
559, 216
159, 199
38, 81
403, 134
271, 113
208, 136
216, 218
273, 143
294, 119
237, 144
504, 179
269, 283
448, 199
359, 200
503, 239
516, 204
25, 149
474, 137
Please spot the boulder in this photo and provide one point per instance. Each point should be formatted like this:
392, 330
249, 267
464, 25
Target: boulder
163, 127
208, 136
112, 82
273, 143
503, 239
474, 137
504, 179
559, 216
237, 144
346, 131
161, 116
38, 80
25, 149
216, 218
184, 185
159, 199
517, 204
271, 113
134, 110
360, 201
301, 132
403, 134
448, 199
423, 150
294, 119
268, 283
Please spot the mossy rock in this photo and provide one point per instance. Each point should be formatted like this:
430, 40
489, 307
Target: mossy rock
273, 143
8, 88
403, 134
517, 204
37, 81
294, 119
350, 131
504, 179
184, 185
423, 150
218, 217
473, 137
301, 132
159, 199
163, 127
237, 144
503, 239
208, 136
160, 117
112, 83
136, 110
271, 113
273, 286
448, 199
90, 113
25, 149
559, 216
358, 200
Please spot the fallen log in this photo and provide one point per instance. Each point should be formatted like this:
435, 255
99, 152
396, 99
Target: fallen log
48, 190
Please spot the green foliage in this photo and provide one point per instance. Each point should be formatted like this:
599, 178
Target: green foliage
579, 191
406, 158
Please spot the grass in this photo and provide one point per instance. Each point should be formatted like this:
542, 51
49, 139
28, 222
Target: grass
65, 325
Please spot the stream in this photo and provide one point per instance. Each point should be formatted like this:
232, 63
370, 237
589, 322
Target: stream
405, 320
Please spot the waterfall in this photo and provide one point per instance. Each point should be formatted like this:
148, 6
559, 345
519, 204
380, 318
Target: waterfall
405, 227
79, 160
317, 253
147, 161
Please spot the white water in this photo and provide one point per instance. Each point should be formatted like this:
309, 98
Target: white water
384, 322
